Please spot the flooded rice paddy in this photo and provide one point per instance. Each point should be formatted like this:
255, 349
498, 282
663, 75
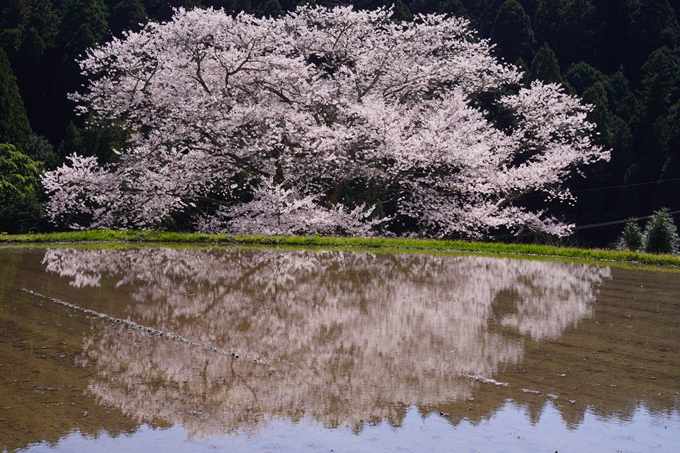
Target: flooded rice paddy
245, 349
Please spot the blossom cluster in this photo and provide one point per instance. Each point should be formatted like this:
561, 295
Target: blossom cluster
325, 120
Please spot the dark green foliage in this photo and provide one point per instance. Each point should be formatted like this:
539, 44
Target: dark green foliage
81, 40
14, 126
40, 150
20, 210
19, 174
483, 14
271, 8
621, 98
66, 78
127, 15
668, 188
611, 29
582, 75
546, 20
512, 32
545, 66
452, 7
30, 72
576, 30
31, 50
242, 6
79, 13
661, 234
72, 143
530, 6
10, 41
651, 123
45, 20
14, 13
631, 238
654, 24
401, 11
658, 84
596, 95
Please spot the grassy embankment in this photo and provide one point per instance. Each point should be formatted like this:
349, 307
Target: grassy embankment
345, 242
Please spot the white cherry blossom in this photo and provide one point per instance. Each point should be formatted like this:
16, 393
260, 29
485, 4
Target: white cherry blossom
309, 122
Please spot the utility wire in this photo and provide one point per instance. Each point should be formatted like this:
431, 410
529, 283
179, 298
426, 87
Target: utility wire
622, 186
580, 227
616, 222
628, 185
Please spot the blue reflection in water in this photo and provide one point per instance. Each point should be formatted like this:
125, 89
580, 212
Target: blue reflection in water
508, 430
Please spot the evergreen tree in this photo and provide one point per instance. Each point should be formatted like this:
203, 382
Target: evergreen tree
453, 7
659, 85
127, 15
31, 74
67, 79
19, 174
39, 149
14, 13
546, 21
611, 28
92, 13
20, 210
72, 143
512, 32
581, 75
241, 6
596, 95
271, 8
653, 25
661, 234
575, 32
668, 187
621, 98
484, 15
631, 238
424, 6
31, 50
530, 6
545, 66
10, 41
14, 126
45, 20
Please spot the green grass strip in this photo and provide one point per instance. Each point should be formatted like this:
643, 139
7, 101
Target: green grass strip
350, 242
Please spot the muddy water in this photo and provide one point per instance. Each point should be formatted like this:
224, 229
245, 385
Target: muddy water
238, 349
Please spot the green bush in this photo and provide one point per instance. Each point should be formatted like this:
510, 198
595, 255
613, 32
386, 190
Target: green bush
631, 238
20, 188
660, 234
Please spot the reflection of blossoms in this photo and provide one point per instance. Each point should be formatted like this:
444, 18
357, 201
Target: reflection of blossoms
350, 336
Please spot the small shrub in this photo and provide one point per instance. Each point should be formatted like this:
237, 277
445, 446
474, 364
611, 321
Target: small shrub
661, 234
631, 238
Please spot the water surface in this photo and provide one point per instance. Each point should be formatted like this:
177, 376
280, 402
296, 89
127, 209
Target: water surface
244, 349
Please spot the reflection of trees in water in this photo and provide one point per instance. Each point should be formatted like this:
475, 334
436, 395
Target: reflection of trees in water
351, 336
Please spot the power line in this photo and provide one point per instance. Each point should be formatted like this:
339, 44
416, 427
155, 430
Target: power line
622, 186
580, 227
616, 222
628, 185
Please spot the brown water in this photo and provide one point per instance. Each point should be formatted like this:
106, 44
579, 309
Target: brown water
237, 349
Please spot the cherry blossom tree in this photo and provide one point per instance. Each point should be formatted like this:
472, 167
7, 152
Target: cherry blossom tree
326, 120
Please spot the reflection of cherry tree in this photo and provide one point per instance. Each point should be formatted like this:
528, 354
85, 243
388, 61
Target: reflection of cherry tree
349, 336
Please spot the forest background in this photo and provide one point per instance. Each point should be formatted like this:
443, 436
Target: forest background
619, 55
